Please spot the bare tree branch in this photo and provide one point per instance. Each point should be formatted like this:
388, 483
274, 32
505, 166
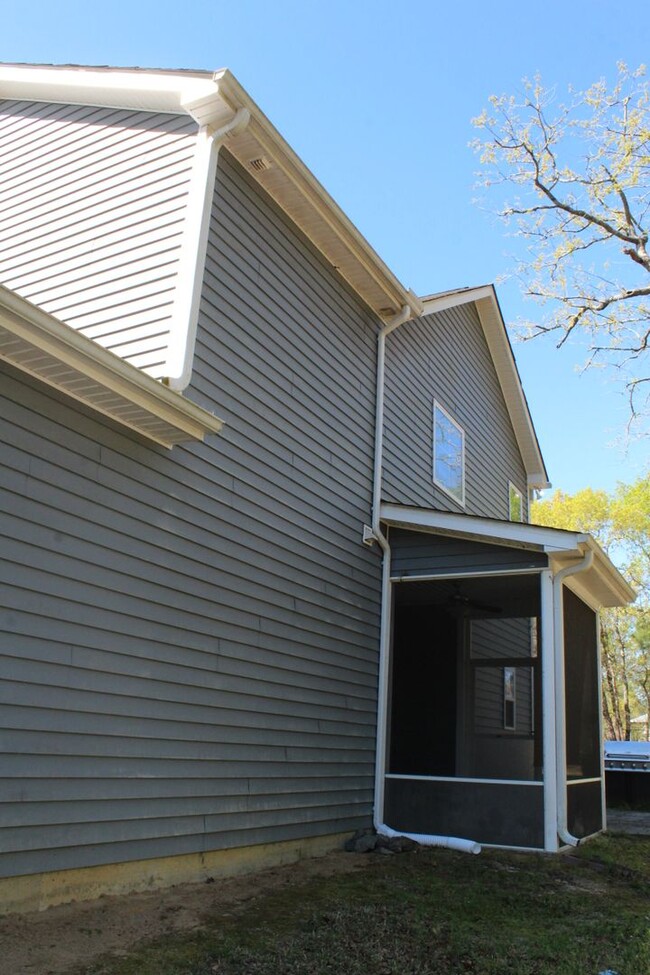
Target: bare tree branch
581, 172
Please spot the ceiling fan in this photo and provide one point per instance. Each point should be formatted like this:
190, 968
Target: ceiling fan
459, 603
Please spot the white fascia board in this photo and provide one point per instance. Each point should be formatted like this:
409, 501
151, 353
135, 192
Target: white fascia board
496, 336
40, 345
598, 587
451, 299
602, 584
154, 91
298, 180
488, 530
605, 568
611, 587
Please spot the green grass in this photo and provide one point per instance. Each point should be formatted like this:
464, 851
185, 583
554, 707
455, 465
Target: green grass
433, 912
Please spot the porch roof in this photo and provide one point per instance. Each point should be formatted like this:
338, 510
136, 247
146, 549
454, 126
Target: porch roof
600, 585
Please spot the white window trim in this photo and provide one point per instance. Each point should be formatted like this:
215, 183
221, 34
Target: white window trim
438, 406
513, 487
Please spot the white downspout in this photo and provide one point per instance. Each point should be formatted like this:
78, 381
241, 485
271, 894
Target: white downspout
180, 356
599, 671
560, 696
385, 619
548, 713
451, 842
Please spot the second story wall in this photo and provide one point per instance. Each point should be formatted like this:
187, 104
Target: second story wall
93, 204
444, 357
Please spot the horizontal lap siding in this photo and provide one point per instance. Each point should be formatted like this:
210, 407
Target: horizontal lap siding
416, 553
189, 656
92, 208
444, 356
491, 640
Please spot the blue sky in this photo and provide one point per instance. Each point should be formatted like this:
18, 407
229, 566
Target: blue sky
377, 99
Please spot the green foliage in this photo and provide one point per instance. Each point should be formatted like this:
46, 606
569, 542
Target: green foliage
620, 522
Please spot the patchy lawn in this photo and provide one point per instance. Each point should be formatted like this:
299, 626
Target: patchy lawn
427, 913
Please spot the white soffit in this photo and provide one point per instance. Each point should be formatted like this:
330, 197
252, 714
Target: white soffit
601, 585
496, 336
212, 99
301, 196
42, 346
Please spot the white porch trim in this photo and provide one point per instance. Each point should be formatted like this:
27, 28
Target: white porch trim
602, 584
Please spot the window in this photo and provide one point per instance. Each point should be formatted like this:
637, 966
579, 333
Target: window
509, 698
515, 503
448, 454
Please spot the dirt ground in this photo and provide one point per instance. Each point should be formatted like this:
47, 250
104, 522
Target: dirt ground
53, 941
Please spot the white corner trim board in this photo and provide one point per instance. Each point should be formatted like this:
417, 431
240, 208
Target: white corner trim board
180, 354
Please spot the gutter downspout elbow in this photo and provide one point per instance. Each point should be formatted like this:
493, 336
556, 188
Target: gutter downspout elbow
560, 689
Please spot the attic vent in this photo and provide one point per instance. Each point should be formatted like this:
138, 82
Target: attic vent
259, 165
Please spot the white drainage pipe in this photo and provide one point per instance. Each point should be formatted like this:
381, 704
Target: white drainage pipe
426, 839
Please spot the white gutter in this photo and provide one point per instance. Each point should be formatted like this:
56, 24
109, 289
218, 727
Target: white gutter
450, 842
560, 695
404, 316
197, 225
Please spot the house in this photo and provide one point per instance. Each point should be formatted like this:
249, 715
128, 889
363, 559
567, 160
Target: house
266, 564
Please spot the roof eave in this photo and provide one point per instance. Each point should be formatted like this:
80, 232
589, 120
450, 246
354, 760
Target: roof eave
305, 200
40, 345
211, 98
155, 91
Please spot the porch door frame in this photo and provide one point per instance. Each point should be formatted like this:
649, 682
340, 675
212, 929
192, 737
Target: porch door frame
549, 704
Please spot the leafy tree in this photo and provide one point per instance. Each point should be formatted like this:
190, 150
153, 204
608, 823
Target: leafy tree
642, 638
580, 174
621, 523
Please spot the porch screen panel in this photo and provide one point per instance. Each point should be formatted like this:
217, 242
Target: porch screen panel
506, 815
584, 809
581, 675
503, 739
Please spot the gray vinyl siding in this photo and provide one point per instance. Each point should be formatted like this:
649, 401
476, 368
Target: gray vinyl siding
423, 553
189, 649
92, 209
492, 639
445, 357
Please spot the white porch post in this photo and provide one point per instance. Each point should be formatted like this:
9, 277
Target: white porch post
601, 727
548, 713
